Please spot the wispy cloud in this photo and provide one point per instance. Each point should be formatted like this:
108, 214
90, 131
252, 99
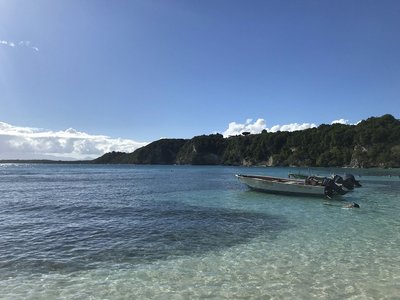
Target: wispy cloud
3, 42
26, 44
29, 143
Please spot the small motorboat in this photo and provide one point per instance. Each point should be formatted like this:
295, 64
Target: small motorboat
326, 188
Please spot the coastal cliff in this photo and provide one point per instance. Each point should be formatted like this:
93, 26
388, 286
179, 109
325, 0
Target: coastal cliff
374, 142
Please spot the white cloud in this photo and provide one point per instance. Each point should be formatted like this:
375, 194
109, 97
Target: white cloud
292, 127
237, 128
26, 44
340, 121
29, 143
258, 126
3, 42
345, 122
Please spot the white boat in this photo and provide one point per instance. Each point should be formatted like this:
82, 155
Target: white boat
288, 186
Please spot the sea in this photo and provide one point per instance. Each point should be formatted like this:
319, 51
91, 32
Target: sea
70, 231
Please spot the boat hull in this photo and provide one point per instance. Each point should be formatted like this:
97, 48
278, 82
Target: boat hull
281, 186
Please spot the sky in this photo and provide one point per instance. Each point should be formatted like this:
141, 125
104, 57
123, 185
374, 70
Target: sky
80, 78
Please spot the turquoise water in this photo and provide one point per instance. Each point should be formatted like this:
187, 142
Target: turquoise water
184, 232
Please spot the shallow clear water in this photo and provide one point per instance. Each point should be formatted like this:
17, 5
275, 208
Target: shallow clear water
184, 232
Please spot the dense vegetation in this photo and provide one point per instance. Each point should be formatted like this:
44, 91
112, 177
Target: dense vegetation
374, 142
160, 152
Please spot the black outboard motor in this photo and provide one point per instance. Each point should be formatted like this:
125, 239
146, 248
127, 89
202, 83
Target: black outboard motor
348, 184
328, 192
349, 178
332, 188
338, 179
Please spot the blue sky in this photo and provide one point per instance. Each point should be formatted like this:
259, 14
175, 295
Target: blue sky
142, 70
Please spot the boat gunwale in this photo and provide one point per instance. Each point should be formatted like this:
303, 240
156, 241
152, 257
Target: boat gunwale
274, 179
319, 190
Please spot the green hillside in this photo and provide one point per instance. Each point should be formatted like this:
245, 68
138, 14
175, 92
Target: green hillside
374, 142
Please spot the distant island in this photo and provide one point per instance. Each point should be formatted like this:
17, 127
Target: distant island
374, 142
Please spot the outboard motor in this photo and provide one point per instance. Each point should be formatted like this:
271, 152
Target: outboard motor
338, 179
332, 188
348, 184
349, 178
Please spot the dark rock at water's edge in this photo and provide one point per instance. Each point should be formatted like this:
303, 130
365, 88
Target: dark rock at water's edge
374, 142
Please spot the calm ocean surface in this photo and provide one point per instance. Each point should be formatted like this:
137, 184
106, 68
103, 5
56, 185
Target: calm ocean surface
185, 232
